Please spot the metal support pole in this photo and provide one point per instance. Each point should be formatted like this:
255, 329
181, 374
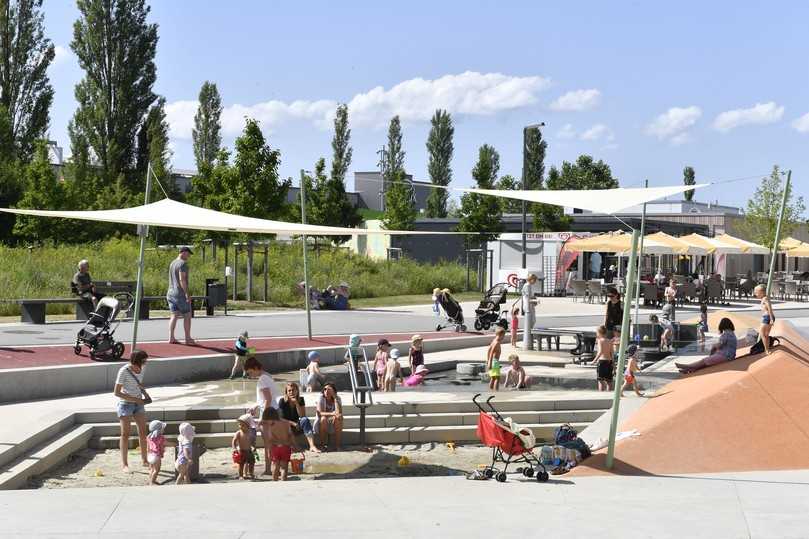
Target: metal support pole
227, 251
266, 271
144, 231
235, 270
305, 271
640, 262
777, 239
524, 187
619, 372
249, 279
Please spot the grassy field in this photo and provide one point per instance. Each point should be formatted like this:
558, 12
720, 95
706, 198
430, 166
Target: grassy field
46, 272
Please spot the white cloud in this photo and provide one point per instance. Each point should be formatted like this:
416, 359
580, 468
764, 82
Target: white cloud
801, 124
60, 54
598, 132
673, 124
758, 114
414, 100
567, 132
577, 100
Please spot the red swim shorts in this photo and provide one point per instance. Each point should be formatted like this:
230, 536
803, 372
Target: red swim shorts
281, 453
629, 378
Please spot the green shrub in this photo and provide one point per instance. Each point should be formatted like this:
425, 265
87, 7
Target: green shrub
46, 272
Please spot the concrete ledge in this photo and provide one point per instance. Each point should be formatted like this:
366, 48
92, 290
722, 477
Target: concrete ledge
46, 457
12, 452
33, 383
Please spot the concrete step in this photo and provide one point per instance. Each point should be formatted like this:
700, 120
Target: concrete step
45, 456
208, 426
396, 435
401, 409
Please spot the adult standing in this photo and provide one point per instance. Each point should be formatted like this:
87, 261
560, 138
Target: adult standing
85, 287
529, 303
267, 396
614, 316
132, 398
179, 295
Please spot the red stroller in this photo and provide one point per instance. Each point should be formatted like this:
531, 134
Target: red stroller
507, 446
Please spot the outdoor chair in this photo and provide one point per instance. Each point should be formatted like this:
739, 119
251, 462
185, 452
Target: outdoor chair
713, 291
687, 291
651, 294
790, 290
731, 287
594, 289
745, 288
579, 289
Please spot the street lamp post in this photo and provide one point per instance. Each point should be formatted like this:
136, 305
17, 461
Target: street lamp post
525, 185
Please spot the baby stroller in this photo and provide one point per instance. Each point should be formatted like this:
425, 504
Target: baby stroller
510, 444
97, 333
488, 313
453, 311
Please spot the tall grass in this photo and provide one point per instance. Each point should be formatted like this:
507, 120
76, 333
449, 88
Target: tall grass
45, 272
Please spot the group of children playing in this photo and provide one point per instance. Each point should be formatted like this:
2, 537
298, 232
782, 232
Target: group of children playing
606, 354
516, 377
156, 447
389, 371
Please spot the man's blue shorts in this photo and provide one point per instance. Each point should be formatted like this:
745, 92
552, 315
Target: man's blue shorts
178, 304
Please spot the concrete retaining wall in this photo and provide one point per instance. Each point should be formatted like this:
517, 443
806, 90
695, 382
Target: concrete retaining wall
49, 382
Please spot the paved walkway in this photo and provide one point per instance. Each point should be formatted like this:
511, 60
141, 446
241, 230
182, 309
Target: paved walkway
727, 506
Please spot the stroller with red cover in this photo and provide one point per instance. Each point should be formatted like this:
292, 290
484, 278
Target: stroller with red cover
510, 444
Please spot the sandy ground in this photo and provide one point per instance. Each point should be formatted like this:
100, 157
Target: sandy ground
101, 468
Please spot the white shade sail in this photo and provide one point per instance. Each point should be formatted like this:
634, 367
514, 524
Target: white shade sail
173, 214
596, 200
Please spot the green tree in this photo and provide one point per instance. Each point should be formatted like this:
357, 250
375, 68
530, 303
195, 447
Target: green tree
207, 126
761, 216
25, 91
535, 148
254, 188
440, 149
115, 47
482, 214
688, 179
585, 173
509, 183
340, 145
153, 147
42, 190
400, 208
11, 183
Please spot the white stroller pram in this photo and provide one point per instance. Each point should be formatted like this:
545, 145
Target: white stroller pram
97, 333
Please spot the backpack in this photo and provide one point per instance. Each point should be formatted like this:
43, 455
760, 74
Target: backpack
758, 348
565, 433
579, 445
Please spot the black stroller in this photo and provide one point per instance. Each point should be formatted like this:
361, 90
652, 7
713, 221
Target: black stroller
453, 311
97, 333
488, 313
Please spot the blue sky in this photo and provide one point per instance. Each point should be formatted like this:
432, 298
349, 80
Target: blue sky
647, 87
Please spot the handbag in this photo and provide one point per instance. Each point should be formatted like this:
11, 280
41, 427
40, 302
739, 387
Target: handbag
147, 399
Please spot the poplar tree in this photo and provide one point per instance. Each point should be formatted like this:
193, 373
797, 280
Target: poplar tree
25, 90
688, 179
400, 207
206, 135
440, 149
115, 46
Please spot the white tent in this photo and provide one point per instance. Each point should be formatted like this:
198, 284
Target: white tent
608, 201
173, 214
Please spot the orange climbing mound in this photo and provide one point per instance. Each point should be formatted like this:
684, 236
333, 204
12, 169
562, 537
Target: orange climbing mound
746, 415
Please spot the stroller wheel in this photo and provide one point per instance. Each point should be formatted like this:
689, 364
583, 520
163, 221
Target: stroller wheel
462, 328
438, 327
501, 477
77, 349
478, 325
489, 473
528, 472
543, 476
118, 350
486, 327
92, 356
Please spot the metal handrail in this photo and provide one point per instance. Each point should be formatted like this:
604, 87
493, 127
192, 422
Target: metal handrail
358, 391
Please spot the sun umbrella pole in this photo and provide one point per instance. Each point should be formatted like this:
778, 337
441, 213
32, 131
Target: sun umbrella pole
777, 238
619, 372
144, 231
640, 262
305, 272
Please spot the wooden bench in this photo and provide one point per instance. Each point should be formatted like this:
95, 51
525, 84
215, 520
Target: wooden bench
32, 311
585, 341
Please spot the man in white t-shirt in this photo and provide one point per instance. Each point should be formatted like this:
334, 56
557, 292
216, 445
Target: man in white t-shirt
529, 303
